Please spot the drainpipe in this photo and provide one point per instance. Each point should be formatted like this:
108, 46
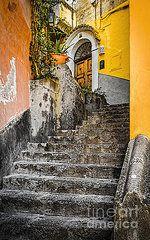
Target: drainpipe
73, 13
100, 8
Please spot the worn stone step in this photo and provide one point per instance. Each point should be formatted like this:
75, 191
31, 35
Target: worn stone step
23, 226
108, 109
91, 128
88, 206
32, 146
78, 157
103, 148
102, 118
120, 120
114, 130
45, 155
88, 148
57, 139
116, 106
105, 134
102, 158
66, 169
105, 120
60, 184
114, 111
102, 138
66, 133
110, 127
83, 147
105, 125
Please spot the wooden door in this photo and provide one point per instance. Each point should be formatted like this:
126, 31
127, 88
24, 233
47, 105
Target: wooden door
84, 72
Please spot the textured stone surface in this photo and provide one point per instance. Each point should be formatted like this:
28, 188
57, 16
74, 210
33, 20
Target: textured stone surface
55, 104
43, 108
133, 192
116, 90
54, 204
60, 184
71, 101
63, 188
67, 169
86, 12
12, 139
37, 227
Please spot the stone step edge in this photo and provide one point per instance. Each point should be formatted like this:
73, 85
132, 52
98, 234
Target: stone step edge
77, 198
53, 221
54, 154
93, 145
102, 181
66, 164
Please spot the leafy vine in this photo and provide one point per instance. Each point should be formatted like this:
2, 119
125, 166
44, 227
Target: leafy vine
43, 38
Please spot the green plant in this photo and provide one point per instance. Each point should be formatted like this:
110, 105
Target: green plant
43, 38
86, 89
60, 48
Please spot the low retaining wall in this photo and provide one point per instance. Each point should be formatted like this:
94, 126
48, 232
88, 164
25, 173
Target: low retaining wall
116, 90
132, 221
13, 138
71, 101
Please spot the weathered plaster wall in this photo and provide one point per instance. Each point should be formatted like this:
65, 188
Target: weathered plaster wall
70, 101
66, 14
88, 13
43, 99
55, 104
116, 90
12, 139
14, 59
14, 80
140, 67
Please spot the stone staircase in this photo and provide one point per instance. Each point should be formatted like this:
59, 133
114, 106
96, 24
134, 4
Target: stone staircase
64, 189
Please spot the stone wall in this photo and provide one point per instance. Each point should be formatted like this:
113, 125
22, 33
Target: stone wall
116, 90
55, 104
132, 199
86, 12
15, 18
12, 139
71, 102
43, 97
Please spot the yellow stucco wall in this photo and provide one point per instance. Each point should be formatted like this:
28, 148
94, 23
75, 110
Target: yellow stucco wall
140, 67
66, 15
115, 38
113, 29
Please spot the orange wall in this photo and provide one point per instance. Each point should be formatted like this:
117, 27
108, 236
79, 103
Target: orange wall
140, 67
14, 43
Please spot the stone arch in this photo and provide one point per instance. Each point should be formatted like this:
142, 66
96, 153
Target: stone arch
75, 40
83, 51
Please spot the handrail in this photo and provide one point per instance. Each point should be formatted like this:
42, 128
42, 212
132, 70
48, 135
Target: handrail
134, 172
133, 193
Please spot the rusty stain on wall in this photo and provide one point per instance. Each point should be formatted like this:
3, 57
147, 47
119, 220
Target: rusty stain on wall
8, 90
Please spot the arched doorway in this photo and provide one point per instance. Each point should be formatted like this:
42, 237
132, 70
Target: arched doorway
83, 64
84, 35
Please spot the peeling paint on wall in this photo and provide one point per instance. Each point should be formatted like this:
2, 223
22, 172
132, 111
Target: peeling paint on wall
14, 60
8, 91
